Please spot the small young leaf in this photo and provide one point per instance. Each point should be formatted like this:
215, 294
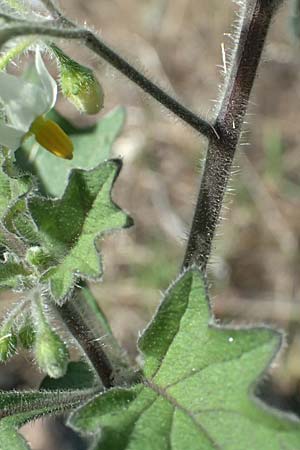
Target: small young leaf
26, 334
70, 226
8, 344
92, 146
195, 394
12, 273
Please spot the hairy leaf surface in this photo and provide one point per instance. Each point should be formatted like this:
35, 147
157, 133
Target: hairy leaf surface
12, 191
69, 227
197, 393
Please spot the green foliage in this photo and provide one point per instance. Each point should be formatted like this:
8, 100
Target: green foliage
12, 273
48, 245
26, 333
68, 227
196, 389
8, 343
51, 353
92, 146
13, 187
26, 406
79, 375
55, 240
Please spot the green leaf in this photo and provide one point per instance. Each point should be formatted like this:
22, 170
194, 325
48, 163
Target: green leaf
69, 227
11, 189
26, 332
12, 273
92, 146
78, 376
197, 392
18, 408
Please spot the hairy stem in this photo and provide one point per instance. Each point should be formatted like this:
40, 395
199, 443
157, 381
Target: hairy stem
50, 6
220, 154
92, 347
13, 52
40, 403
104, 51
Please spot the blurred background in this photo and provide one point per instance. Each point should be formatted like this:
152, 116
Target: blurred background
253, 272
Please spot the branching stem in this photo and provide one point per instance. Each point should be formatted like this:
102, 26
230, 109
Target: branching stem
101, 49
223, 135
220, 154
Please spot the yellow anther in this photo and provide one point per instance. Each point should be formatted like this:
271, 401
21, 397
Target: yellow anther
52, 137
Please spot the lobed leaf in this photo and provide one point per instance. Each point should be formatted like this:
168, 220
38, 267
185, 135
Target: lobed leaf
69, 227
197, 391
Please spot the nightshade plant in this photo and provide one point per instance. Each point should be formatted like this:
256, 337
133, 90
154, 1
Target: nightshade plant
197, 383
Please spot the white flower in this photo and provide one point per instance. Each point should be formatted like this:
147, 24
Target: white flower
25, 105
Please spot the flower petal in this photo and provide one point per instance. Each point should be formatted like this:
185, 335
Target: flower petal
22, 100
49, 84
10, 137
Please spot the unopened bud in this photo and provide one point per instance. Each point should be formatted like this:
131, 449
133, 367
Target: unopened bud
36, 256
51, 353
79, 84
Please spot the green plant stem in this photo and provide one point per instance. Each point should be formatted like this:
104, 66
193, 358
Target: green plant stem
10, 320
92, 42
57, 15
51, 8
92, 347
50, 403
257, 15
12, 53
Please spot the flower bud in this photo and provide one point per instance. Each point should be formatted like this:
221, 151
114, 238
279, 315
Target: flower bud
51, 353
36, 256
79, 84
